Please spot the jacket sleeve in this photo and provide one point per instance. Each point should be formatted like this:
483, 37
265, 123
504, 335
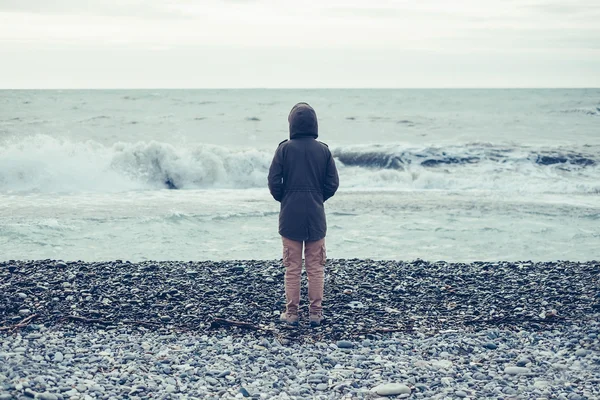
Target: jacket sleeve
332, 180
275, 178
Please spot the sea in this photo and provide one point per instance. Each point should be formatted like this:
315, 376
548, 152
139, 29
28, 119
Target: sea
453, 175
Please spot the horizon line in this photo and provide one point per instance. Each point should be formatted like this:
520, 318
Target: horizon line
314, 88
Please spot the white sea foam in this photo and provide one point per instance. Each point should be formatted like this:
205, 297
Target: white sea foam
45, 164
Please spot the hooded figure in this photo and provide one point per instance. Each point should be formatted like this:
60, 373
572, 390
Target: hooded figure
302, 177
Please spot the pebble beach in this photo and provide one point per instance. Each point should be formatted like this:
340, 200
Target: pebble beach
209, 330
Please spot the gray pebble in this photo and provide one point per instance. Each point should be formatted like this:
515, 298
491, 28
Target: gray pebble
170, 389
480, 376
391, 389
508, 390
581, 352
47, 396
34, 336
345, 344
523, 362
211, 380
516, 370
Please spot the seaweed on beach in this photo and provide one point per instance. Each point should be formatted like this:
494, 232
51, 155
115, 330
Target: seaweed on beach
363, 298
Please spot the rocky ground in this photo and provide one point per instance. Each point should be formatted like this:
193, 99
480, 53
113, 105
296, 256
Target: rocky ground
210, 330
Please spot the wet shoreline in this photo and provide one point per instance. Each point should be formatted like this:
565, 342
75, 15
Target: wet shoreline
363, 298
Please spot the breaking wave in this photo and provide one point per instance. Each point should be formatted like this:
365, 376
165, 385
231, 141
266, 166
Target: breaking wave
46, 164
400, 158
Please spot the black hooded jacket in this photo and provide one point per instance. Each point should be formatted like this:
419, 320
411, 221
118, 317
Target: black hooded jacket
302, 177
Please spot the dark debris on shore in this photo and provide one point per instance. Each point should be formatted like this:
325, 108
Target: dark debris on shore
364, 298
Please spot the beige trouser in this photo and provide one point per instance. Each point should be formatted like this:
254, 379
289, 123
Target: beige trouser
314, 259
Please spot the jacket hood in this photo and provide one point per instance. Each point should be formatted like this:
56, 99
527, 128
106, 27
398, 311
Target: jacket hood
303, 121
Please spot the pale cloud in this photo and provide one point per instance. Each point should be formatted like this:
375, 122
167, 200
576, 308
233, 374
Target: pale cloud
377, 35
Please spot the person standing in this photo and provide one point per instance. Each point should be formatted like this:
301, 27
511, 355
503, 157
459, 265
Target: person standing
302, 177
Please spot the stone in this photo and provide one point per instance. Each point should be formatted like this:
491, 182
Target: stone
391, 389
422, 387
47, 396
171, 381
317, 378
97, 388
212, 380
490, 346
581, 352
516, 370
508, 390
322, 386
460, 393
523, 362
540, 384
441, 364
58, 356
34, 336
480, 376
344, 344
170, 389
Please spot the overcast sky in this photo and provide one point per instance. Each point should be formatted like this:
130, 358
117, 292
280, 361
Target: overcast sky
306, 43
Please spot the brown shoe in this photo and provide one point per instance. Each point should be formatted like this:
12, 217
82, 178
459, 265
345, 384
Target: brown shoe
290, 319
316, 319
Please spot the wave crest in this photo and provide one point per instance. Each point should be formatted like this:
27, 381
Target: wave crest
42, 163
46, 164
